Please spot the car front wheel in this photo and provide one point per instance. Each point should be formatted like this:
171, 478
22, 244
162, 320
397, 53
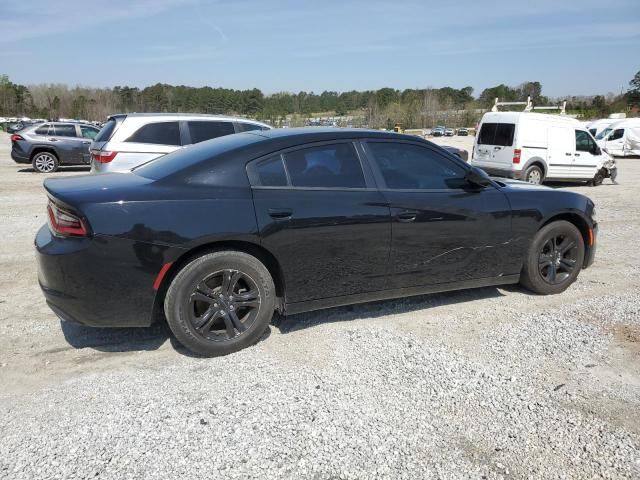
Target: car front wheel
554, 259
220, 303
45, 162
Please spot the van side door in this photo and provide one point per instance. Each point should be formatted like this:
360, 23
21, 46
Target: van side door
561, 148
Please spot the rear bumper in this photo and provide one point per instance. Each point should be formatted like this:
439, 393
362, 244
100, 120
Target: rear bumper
19, 157
100, 281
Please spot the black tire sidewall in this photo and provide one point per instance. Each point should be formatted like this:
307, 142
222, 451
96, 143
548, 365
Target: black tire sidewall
531, 277
182, 286
56, 163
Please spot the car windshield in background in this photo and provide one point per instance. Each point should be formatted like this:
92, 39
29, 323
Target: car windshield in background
181, 159
603, 133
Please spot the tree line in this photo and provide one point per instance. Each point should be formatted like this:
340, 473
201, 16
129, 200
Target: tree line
375, 108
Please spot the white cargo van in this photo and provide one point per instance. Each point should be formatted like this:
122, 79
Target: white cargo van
536, 147
622, 138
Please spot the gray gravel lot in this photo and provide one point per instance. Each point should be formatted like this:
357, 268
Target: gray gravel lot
485, 383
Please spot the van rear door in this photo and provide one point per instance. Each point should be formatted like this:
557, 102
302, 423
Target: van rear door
495, 145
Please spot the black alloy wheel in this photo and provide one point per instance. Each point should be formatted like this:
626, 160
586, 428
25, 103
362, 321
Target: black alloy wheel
224, 305
220, 302
557, 259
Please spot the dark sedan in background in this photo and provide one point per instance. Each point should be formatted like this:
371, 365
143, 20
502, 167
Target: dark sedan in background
48, 145
218, 236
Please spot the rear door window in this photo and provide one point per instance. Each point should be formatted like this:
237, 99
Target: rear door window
203, 130
500, 134
329, 166
161, 133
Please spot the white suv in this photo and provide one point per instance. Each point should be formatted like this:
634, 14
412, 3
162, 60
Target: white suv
129, 140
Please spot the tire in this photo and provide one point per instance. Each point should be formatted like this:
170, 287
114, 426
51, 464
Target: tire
597, 179
45, 162
549, 268
209, 318
534, 175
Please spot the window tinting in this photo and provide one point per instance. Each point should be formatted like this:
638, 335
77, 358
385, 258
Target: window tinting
335, 165
43, 129
247, 127
616, 134
496, 134
107, 130
162, 133
201, 130
88, 132
584, 142
271, 172
63, 130
412, 167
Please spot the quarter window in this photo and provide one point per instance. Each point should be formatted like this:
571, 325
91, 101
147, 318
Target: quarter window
43, 129
330, 166
201, 130
271, 172
411, 167
247, 127
63, 130
161, 133
584, 142
88, 132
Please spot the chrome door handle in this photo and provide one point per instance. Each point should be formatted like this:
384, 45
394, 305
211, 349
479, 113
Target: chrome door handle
280, 212
407, 216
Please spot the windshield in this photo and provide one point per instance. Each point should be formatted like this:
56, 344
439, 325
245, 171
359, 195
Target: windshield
603, 134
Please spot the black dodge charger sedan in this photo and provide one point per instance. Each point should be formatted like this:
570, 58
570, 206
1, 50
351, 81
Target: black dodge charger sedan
218, 236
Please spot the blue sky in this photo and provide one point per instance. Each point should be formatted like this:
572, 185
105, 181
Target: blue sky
572, 47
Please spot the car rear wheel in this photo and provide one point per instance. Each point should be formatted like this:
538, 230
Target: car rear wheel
534, 175
597, 179
220, 303
45, 162
554, 260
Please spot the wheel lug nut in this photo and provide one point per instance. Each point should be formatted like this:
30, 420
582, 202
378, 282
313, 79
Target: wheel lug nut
215, 305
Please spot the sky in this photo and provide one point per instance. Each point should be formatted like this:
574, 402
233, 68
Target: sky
572, 47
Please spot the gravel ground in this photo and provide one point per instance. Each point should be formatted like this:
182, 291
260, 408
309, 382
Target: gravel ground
485, 383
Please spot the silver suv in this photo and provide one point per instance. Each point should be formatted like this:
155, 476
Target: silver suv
129, 140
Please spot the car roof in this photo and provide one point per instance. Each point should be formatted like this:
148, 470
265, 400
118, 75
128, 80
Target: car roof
515, 117
304, 134
186, 116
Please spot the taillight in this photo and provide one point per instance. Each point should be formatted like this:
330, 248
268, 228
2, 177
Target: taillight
103, 157
516, 155
64, 222
15, 137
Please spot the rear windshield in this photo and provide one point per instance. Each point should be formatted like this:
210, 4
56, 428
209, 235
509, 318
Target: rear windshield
496, 134
184, 158
107, 130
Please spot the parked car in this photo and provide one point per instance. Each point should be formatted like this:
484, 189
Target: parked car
463, 132
437, 132
448, 132
18, 126
220, 235
47, 146
622, 138
129, 140
537, 147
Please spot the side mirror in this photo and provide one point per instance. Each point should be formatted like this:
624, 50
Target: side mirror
478, 177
